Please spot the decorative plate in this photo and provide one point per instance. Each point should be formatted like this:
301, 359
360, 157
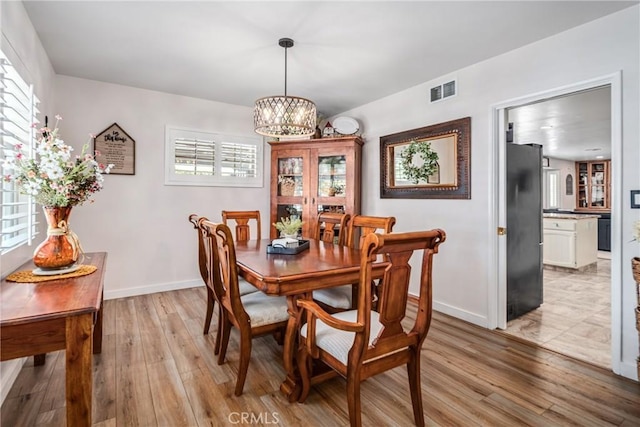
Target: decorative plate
345, 125
41, 272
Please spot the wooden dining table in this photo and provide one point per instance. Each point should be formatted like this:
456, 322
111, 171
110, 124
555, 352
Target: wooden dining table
323, 265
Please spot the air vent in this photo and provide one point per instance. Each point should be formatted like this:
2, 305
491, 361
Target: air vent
443, 91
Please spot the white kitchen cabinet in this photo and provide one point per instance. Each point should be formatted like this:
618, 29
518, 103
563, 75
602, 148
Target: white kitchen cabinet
570, 240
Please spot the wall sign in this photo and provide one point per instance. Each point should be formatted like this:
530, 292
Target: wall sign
114, 146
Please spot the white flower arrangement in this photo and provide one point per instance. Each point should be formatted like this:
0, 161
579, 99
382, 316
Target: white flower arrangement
53, 177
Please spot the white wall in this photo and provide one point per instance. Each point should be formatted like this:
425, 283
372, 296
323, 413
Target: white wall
138, 220
565, 167
23, 48
462, 270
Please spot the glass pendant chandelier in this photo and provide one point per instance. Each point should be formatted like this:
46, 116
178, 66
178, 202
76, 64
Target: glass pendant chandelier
278, 116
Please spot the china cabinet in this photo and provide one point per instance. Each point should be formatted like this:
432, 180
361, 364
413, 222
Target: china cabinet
593, 186
312, 176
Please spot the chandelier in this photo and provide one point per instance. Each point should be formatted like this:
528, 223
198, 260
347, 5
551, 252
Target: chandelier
284, 115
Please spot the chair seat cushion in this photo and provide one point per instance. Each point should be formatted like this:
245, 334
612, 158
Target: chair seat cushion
264, 309
337, 342
338, 297
245, 287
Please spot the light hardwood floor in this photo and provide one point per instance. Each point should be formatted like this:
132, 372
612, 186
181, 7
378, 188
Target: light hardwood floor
156, 368
575, 317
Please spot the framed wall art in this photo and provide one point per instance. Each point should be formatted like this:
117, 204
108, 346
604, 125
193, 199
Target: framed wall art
114, 146
432, 162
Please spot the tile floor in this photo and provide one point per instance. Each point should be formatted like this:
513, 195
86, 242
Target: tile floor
575, 317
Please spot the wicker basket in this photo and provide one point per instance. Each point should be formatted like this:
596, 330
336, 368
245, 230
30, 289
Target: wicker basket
287, 188
635, 268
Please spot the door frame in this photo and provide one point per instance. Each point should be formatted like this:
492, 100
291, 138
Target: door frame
497, 303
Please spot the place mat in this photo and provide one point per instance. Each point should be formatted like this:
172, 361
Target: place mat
26, 276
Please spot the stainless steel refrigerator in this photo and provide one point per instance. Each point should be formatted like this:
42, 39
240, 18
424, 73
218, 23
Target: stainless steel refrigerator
524, 229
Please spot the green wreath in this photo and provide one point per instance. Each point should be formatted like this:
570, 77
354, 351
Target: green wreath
429, 161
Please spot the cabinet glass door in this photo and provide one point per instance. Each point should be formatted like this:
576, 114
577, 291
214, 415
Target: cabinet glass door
332, 176
597, 184
582, 185
290, 170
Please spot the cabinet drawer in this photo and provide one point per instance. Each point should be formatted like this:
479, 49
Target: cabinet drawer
557, 224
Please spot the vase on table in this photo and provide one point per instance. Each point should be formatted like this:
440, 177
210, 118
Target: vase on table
61, 248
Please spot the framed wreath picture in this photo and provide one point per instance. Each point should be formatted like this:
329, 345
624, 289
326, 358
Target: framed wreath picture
432, 162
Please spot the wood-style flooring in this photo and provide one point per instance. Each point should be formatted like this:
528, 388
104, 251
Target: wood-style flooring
575, 317
157, 369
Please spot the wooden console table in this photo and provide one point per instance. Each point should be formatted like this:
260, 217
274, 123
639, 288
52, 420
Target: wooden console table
37, 318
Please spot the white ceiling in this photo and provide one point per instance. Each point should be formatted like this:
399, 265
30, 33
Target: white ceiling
572, 127
346, 54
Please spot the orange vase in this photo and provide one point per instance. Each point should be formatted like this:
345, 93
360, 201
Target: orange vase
61, 248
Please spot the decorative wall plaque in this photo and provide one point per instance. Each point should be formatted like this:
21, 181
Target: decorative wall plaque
114, 146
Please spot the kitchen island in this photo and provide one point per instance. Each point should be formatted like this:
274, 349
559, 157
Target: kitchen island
570, 241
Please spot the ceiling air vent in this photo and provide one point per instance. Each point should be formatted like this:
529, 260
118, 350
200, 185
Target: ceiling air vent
443, 91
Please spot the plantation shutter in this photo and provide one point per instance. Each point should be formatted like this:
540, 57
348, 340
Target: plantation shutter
238, 160
18, 107
194, 157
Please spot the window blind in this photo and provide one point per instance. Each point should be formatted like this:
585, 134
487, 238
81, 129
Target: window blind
18, 107
210, 159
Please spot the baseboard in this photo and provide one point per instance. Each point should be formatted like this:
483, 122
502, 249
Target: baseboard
629, 370
10, 370
143, 290
456, 312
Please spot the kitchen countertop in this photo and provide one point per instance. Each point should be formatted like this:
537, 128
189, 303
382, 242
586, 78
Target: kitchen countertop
569, 216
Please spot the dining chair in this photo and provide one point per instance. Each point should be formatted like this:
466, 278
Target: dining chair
360, 343
252, 314
242, 218
204, 273
332, 227
245, 287
341, 298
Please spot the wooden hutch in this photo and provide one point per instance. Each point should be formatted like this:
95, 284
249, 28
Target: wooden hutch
314, 175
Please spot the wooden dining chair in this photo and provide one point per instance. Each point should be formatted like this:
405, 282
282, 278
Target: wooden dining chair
252, 314
341, 298
358, 344
242, 218
204, 273
332, 227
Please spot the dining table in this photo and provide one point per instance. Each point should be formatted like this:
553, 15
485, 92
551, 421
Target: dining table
295, 276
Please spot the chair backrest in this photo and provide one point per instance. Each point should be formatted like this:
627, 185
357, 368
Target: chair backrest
242, 218
331, 225
221, 262
397, 249
202, 255
361, 225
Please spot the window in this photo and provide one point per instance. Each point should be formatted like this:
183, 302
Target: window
551, 189
18, 108
211, 159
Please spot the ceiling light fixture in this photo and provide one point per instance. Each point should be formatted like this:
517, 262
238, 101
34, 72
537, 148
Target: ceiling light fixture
284, 115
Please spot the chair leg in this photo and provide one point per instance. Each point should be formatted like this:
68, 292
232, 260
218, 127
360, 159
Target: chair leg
413, 371
245, 357
211, 302
305, 372
226, 325
218, 342
353, 399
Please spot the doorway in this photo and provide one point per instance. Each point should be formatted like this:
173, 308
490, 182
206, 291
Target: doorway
500, 125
